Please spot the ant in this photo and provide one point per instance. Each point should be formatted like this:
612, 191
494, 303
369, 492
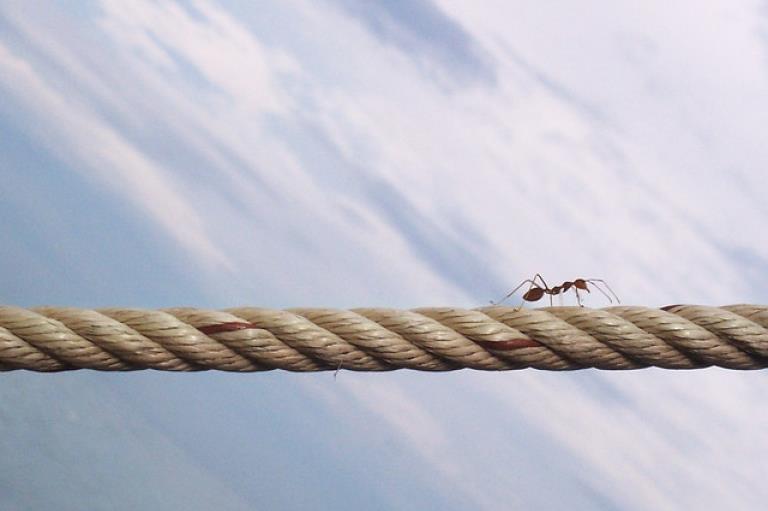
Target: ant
536, 292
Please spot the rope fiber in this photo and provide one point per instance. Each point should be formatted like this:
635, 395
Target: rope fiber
495, 338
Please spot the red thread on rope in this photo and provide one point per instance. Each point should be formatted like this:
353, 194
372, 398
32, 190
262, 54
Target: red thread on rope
226, 327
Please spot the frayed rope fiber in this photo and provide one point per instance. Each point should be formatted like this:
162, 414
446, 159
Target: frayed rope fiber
494, 338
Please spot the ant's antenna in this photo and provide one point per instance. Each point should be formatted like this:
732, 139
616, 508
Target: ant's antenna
604, 283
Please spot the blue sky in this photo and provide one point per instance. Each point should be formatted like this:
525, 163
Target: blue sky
397, 154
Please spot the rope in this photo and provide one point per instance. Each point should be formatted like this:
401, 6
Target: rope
427, 339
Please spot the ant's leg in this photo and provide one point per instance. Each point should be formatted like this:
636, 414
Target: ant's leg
595, 281
578, 298
538, 276
515, 290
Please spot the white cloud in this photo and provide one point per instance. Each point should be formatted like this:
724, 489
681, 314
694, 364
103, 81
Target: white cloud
214, 44
257, 193
102, 153
532, 168
600, 151
390, 403
652, 439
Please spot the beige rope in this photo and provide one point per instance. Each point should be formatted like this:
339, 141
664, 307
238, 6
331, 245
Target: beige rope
428, 339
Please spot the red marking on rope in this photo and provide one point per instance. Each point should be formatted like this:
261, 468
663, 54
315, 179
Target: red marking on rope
226, 327
509, 344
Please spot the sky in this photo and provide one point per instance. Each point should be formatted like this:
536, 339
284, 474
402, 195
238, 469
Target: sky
341, 153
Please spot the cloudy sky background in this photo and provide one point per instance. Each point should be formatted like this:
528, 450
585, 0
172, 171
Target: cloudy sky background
347, 153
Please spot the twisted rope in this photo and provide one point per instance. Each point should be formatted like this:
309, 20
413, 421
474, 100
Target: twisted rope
427, 339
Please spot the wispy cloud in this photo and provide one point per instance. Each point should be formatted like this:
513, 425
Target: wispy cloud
676, 439
423, 31
206, 40
79, 135
322, 165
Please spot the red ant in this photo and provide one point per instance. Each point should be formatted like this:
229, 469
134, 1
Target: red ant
536, 292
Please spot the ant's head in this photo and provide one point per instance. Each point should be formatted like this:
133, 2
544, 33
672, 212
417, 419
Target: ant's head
581, 284
533, 294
